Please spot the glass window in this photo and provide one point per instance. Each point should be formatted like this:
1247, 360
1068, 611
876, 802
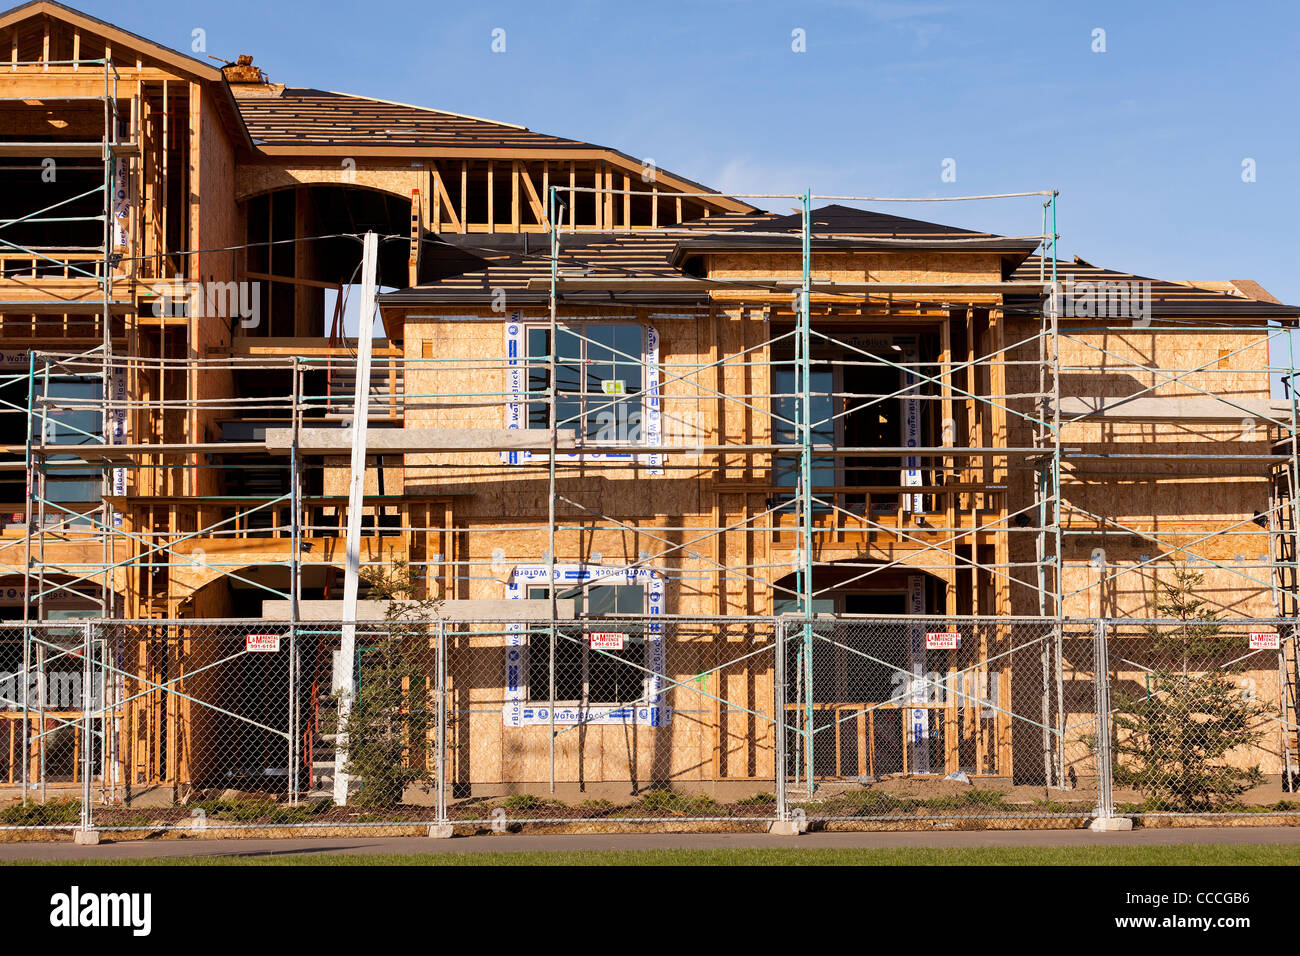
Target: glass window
584, 676
73, 418
787, 407
599, 381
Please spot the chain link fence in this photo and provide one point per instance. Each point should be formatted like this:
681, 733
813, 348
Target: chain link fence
921, 718
247, 727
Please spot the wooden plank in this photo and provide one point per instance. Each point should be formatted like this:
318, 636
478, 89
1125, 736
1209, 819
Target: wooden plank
503, 609
333, 441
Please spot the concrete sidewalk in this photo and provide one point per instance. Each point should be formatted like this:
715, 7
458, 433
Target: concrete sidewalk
508, 843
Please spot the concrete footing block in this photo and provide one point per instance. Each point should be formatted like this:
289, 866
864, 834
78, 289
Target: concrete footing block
1110, 824
787, 827
85, 837
441, 831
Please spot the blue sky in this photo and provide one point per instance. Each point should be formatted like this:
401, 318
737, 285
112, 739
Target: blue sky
1144, 141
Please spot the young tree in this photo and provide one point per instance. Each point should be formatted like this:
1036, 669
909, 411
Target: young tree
393, 708
1174, 738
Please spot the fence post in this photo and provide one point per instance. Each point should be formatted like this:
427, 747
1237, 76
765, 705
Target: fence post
1105, 817
778, 723
440, 749
293, 714
87, 703
27, 720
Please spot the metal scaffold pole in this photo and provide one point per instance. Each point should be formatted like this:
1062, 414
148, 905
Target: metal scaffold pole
805, 556
552, 411
1059, 575
295, 580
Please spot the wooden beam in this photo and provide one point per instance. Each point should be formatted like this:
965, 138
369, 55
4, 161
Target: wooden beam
292, 280
443, 200
413, 260
534, 201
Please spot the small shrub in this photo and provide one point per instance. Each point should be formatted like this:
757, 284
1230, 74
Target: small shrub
669, 801
756, 800
264, 811
42, 814
524, 802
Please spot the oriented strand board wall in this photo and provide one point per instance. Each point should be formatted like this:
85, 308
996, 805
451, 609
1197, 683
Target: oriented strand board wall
504, 525
1204, 506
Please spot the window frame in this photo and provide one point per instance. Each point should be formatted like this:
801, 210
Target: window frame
579, 638
584, 396
518, 387
650, 711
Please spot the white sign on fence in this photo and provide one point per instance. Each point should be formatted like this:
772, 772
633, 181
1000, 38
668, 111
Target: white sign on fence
262, 643
606, 640
942, 641
1265, 641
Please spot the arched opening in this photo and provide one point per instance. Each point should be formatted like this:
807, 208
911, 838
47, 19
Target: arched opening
881, 694
240, 703
304, 247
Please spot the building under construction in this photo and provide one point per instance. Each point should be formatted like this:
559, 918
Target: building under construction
696, 496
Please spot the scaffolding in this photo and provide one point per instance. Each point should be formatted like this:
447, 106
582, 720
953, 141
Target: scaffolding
98, 264
965, 521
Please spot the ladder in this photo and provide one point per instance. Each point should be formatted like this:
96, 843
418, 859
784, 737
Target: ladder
1286, 597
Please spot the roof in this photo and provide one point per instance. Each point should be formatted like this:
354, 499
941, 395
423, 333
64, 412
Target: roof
612, 255
297, 120
663, 253
1167, 298
306, 117
838, 228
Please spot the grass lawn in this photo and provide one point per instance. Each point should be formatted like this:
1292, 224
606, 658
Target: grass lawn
1218, 855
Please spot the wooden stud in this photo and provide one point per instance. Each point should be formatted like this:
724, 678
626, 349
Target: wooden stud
515, 218
543, 216
464, 196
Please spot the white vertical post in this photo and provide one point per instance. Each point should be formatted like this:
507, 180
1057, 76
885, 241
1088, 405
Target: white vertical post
356, 491
1101, 694
440, 777
87, 715
779, 714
